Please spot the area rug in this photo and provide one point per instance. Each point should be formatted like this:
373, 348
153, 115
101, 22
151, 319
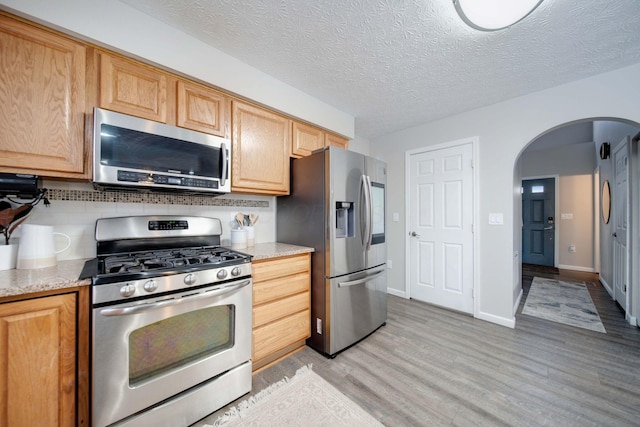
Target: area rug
303, 400
562, 302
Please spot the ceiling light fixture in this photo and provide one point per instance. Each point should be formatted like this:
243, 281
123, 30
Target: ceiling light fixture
492, 15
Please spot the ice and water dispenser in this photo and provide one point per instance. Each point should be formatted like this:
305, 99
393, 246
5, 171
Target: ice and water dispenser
344, 219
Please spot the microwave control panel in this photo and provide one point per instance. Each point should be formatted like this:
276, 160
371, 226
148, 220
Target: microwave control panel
142, 177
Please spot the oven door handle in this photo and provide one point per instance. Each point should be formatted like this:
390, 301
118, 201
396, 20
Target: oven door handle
136, 309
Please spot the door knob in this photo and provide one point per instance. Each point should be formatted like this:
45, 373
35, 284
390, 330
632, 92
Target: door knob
414, 234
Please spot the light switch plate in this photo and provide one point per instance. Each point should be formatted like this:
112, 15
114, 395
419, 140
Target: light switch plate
496, 219
396, 217
566, 216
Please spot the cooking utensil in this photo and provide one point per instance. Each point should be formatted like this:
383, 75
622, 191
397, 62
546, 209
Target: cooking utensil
253, 218
240, 219
19, 217
6, 216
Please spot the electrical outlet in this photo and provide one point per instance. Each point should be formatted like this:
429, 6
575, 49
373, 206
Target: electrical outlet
319, 326
572, 248
389, 264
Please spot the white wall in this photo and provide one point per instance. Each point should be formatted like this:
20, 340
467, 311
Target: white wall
614, 132
574, 164
122, 28
503, 129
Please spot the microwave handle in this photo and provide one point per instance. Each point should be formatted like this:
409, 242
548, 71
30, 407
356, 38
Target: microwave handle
223, 174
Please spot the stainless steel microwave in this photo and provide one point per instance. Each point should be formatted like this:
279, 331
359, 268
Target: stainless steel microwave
137, 153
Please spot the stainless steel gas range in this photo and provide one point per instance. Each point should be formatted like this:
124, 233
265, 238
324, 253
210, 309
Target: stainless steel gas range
171, 313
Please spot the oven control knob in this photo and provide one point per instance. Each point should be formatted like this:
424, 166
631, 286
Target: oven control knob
150, 286
189, 279
221, 274
236, 271
127, 290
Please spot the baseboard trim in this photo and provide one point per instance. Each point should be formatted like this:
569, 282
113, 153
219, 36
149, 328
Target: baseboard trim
608, 288
517, 304
397, 293
502, 321
576, 268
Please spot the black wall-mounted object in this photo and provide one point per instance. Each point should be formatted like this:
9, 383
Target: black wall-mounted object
605, 150
23, 186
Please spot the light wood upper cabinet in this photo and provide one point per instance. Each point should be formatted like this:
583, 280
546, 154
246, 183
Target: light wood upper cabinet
130, 87
38, 362
261, 145
133, 88
42, 102
331, 140
305, 139
203, 109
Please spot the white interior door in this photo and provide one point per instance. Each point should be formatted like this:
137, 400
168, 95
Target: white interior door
620, 211
440, 225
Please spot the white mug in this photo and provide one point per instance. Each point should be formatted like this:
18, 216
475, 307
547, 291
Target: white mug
37, 247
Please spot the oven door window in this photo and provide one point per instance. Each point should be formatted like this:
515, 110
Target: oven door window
163, 346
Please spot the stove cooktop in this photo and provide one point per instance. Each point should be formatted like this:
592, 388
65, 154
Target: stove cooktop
122, 267
168, 259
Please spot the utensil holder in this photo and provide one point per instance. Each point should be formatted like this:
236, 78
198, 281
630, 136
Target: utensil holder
238, 238
251, 235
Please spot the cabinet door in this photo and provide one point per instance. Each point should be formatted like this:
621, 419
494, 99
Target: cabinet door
261, 145
305, 139
42, 101
133, 88
203, 109
37, 362
335, 141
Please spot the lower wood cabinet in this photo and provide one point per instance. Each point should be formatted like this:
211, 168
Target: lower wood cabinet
42, 380
281, 307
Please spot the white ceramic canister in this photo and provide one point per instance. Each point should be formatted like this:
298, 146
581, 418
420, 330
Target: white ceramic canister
8, 256
37, 247
238, 238
251, 235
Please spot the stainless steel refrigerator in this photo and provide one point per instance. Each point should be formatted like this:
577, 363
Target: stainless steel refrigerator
337, 206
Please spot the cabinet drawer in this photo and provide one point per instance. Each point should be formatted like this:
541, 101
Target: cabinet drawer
280, 334
280, 267
281, 287
282, 308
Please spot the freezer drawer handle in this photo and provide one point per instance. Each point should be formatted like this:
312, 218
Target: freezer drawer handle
135, 309
361, 281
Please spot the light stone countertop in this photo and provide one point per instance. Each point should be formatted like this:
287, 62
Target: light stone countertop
262, 251
23, 282
66, 274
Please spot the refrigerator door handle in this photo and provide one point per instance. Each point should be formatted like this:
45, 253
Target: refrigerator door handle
361, 281
367, 233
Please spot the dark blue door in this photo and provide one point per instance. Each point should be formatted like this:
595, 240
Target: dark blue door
538, 222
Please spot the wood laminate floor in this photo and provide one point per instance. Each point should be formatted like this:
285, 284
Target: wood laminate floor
430, 367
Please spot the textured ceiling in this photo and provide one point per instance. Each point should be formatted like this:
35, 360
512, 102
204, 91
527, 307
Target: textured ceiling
394, 64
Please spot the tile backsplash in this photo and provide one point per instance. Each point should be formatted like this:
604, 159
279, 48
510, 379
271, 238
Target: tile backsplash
75, 207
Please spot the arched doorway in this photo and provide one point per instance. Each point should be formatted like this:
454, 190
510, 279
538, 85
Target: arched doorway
575, 154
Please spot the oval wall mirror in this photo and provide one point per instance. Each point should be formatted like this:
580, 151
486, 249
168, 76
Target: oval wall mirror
606, 202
